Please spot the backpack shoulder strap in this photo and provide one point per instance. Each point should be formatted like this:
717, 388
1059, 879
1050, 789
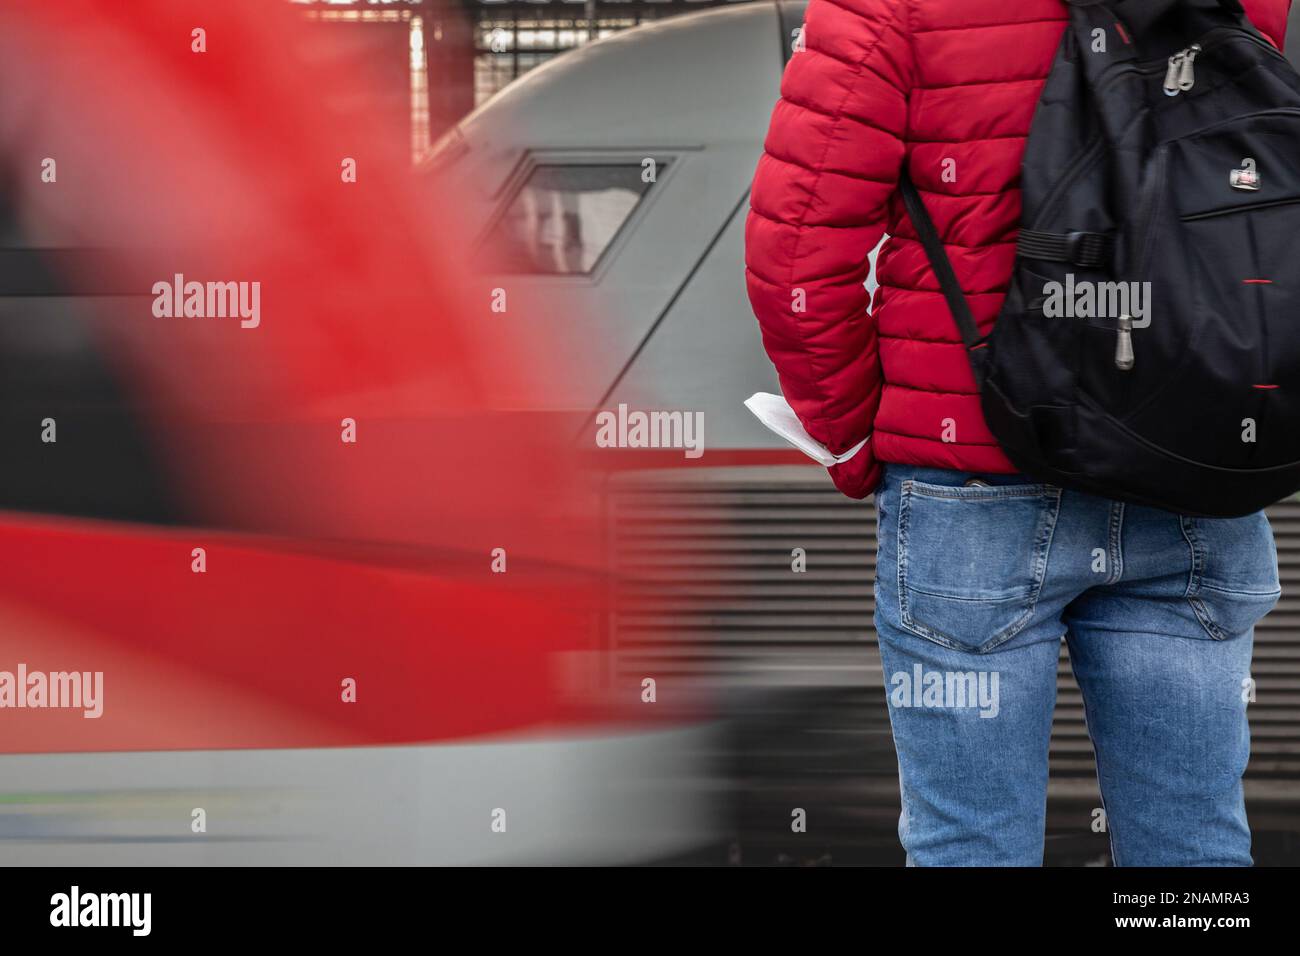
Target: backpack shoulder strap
939, 262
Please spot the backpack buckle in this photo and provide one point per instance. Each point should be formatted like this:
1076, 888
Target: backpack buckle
1088, 249
1074, 246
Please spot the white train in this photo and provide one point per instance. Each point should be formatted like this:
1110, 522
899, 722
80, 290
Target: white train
644, 278
646, 282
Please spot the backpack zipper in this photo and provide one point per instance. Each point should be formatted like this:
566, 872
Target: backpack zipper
1230, 210
1181, 75
1148, 208
1180, 71
1124, 343
1219, 124
1213, 38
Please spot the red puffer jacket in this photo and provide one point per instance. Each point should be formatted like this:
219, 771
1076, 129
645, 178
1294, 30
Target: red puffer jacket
935, 84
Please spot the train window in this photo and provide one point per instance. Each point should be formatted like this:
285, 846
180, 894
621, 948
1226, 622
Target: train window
564, 217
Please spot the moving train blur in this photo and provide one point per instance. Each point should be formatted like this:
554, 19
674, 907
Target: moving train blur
645, 280
342, 607
602, 196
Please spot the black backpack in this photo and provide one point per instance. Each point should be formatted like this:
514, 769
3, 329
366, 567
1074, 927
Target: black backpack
1165, 151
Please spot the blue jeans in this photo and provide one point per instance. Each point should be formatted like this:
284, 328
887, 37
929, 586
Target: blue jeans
976, 585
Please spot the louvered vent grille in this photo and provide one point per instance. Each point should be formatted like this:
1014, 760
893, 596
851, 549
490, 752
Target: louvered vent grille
714, 597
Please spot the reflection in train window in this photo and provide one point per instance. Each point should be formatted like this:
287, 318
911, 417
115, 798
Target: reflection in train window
564, 217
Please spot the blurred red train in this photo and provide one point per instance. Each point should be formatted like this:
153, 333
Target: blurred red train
346, 607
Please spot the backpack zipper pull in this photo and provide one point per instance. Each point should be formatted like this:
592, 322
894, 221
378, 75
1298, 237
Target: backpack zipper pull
1124, 343
1187, 76
1172, 74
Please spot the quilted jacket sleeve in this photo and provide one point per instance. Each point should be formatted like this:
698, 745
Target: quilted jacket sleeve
831, 162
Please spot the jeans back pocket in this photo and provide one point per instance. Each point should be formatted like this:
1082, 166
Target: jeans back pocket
1234, 579
971, 559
